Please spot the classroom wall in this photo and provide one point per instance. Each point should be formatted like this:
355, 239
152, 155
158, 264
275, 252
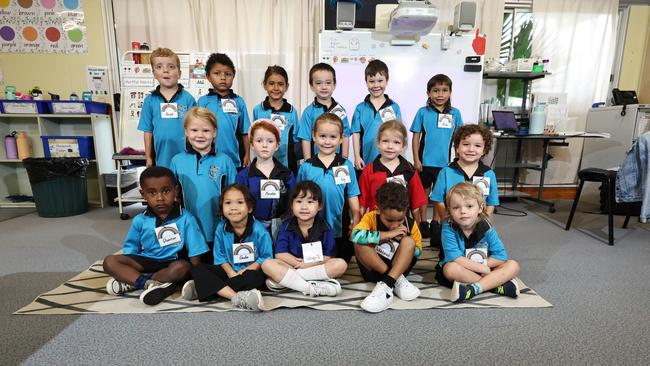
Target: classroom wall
634, 53
58, 73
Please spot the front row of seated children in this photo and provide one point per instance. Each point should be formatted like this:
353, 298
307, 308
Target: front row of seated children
162, 248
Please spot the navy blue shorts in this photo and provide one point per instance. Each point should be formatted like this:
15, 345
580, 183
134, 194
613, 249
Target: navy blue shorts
429, 176
149, 265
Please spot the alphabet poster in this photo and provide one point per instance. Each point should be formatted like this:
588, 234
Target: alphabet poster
42, 26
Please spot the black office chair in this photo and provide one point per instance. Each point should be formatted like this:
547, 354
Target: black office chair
607, 178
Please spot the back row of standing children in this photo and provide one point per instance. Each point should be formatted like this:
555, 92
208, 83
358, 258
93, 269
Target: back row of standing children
203, 171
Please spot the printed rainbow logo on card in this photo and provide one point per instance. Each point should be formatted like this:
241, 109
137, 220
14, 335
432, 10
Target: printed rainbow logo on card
245, 248
167, 231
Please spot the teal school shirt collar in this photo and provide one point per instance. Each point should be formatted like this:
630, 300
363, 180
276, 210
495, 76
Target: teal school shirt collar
387, 103
173, 214
231, 94
247, 232
286, 107
158, 93
316, 162
480, 171
323, 106
430, 105
190, 149
477, 234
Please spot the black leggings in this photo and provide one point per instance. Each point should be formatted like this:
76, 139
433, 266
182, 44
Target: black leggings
210, 279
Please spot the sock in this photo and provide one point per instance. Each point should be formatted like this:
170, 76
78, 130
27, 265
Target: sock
507, 289
388, 280
294, 281
315, 273
142, 279
477, 288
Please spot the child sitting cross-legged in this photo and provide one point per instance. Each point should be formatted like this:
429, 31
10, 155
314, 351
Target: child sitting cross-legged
152, 258
305, 248
387, 244
473, 258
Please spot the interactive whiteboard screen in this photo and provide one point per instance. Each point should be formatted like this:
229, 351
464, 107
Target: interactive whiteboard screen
410, 67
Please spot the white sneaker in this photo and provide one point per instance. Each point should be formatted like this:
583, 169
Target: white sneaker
274, 286
405, 290
189, 291
251, 300
115, 287
379, 299
329, 287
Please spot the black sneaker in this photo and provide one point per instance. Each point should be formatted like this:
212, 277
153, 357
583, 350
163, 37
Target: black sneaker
424, 229
155, 292
510, 289
461, 292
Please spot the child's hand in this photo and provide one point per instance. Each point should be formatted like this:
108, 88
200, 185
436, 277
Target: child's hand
398, 233
240, 272
149, 162
246, 161
484, 270
418, 165
300, 264
358, 163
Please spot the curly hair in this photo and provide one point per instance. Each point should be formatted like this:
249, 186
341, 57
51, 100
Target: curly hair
219, 58
392, 195
467, 130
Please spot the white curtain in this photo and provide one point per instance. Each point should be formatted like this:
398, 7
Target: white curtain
254, 33
578, 37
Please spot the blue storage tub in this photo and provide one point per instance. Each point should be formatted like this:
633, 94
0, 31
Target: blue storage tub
77, 107
24, 106
82, 146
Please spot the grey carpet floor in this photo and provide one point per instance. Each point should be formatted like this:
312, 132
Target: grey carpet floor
600, 315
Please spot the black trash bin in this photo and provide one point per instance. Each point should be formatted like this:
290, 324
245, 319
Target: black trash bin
58, 185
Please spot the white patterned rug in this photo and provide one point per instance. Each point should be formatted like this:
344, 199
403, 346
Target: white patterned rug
86, 294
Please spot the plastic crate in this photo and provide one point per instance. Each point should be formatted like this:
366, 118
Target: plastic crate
77, 107
25, 107
68, 146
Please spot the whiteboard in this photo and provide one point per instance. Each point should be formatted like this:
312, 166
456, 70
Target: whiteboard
410, 68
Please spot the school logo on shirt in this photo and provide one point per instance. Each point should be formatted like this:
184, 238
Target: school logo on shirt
168, 235
214, 173
243, 252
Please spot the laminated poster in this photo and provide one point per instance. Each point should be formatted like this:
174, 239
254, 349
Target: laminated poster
42, 26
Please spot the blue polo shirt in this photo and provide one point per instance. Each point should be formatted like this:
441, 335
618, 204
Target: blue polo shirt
453, 174
454, 241
313, 111
142, 239
232, 126
288, 129
290, 239
267, 208
334, 195
435, 142
366, 121
202, 178
255, 232
168, 133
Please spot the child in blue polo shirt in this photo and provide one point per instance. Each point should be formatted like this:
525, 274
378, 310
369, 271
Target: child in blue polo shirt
433, 127
241, 245
203, 172
283, 114
268, 180
322, 81
230, 109
163, 110
335, 176
471, 143
152, 258
376, 109
304, 248
473, 258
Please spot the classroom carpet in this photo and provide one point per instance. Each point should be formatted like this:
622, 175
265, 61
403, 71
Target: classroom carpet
86, 294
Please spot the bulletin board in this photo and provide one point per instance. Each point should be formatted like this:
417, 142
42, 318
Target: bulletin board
410, 67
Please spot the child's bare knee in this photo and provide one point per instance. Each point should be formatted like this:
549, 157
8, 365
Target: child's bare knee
338, 265
407, 242
451, 269
514, 265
